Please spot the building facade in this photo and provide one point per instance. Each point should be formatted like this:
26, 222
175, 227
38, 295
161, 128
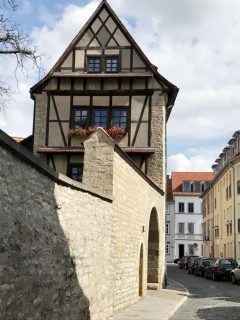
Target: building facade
103, 79
186, 206
221, 204
86, 212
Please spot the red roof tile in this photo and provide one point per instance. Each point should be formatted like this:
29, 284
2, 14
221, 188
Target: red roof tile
179, 177
17, 139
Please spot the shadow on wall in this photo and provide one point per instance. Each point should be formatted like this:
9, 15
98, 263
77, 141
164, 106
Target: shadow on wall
37, 272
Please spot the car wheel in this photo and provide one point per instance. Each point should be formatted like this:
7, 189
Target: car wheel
233, 279
214, 276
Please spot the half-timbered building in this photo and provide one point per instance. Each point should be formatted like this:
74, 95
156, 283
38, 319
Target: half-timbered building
103, 79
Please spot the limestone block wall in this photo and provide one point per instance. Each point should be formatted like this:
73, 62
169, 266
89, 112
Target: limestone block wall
134, 200
156, 166
55, 244
68, 250
135, 196
40, 120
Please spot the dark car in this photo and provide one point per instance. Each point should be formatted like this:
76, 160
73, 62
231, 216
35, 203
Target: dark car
184, 261
220, 268
201, 266
181, 262
193, 264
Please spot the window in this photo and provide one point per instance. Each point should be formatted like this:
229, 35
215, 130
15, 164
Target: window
76, 172
238, 225
190, 207
197, 186
100, 118
186, 187
191, 227
80, 118
181, 207
180, 227
119, 118
216, 231
227, 193
94, 64
207, 184
230, 191
167, 248
191, 249
215, 203
111, 64
238, 187
168, 228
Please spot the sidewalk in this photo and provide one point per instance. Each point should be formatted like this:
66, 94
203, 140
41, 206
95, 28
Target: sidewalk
156, 305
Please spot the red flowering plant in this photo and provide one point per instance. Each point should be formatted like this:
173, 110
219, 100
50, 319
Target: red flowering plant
81, 132
116, 132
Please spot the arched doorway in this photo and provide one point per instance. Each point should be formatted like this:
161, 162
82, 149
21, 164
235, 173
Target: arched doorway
153, 248
141, 272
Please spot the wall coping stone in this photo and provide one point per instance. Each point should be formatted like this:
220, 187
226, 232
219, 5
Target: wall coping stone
28, 157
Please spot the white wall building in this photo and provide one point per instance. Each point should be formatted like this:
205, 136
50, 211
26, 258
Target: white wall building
184, 211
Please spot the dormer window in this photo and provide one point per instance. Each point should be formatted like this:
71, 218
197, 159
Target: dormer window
186, 186
111, 64
197, 186
94, 64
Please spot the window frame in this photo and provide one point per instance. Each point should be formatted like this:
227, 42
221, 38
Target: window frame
190, 224
191, 203
179, 205
74, 109
93, 57
119, 110
197, 182
183, 186
108, 116
167, 249
168, 227
182, 224
111, 57
75, 165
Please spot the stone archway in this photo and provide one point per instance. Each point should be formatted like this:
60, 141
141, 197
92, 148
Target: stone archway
140, 286
153, 250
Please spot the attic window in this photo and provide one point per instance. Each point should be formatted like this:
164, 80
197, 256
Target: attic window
111, 64
93, 64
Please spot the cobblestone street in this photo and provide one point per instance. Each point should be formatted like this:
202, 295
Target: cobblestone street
208, 300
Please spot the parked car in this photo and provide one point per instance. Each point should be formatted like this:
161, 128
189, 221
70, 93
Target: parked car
193, 264
235, 275
201, 266
220, 268
176, 260
184, 261
181, 262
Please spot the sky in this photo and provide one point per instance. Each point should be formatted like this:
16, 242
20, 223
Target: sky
194, 43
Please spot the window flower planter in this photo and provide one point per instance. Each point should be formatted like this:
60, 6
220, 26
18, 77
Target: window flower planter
115, 133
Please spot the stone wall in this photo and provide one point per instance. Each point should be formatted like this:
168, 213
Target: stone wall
40, 120
135, 196
156, 165
55, 245
67, 250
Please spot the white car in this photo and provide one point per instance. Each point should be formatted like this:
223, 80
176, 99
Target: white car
235, 275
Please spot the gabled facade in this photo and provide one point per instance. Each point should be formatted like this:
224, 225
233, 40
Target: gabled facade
221, 203
186, 206
103, 79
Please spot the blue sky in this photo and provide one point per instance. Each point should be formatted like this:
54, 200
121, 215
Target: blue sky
195, 44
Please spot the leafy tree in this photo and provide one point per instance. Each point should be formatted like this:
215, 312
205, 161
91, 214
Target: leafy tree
13, 42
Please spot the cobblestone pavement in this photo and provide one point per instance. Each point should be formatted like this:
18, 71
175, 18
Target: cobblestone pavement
208, 300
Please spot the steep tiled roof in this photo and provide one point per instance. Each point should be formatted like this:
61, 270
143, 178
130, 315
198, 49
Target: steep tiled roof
179, 177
